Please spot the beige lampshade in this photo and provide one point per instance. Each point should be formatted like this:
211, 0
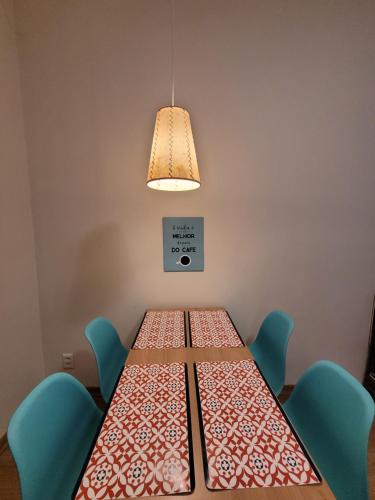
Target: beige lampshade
173, 162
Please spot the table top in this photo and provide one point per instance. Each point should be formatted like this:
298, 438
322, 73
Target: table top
212, 329
248, 441
161, 330
190, 356
144, 445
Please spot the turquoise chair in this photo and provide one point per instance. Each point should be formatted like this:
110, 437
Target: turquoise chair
109, 352
50, 435
270, 347
333, 413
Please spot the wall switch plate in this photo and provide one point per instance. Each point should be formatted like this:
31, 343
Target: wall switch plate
68, 361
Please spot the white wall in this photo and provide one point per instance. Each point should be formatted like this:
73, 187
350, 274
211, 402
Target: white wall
281, 95
21, 361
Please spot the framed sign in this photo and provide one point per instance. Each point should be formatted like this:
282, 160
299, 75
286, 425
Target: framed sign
183, 244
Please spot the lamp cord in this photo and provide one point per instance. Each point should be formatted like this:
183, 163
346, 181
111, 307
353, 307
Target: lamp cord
172, 49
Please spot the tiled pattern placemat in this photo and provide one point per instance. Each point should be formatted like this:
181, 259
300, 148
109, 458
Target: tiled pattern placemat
248, 442
161, 330
213, 329
143, 448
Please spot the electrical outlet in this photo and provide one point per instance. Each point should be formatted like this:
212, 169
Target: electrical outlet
68, 361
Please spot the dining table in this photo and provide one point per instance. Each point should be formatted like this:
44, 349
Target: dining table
191, 357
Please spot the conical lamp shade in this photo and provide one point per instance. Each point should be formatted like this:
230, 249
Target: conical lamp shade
173, 162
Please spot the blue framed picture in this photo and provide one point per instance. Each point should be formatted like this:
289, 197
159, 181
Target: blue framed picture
183, 244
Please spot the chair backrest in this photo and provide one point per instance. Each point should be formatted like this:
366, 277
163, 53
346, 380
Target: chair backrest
270, 347
333, 413
50, 435
109, 352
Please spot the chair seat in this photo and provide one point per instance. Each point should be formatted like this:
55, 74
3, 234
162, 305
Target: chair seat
109, 352
333, 414
270, 348
50, 435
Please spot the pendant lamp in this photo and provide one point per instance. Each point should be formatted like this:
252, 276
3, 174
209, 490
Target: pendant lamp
173, 161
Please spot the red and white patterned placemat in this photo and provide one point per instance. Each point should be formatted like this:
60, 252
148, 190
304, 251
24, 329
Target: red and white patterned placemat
144, 446
213, 329
161, 330
248, 442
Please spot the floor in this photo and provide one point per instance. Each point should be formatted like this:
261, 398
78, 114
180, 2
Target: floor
9, 486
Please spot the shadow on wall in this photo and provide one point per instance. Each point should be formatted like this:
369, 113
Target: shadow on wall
85, 366
100, 273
